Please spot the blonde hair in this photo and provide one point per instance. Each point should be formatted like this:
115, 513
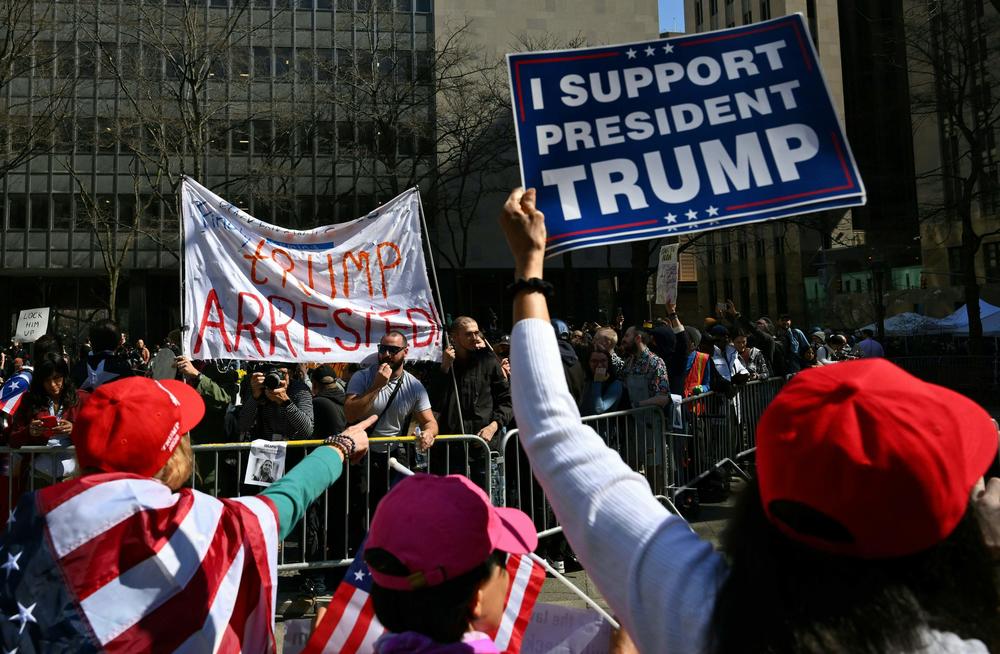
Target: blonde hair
610, 333
177, 470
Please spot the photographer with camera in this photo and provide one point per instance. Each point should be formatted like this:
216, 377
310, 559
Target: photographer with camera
277, 406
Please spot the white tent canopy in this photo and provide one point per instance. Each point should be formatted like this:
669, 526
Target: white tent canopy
908, 324
958, 322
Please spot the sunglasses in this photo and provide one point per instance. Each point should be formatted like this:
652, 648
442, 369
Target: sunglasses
390, 349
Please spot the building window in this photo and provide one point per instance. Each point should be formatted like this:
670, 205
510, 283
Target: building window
765, 9
727, 286
759, 247
744, 292
62, 210
955, 265
746, 12
762, 293
727, 254
781, 291
699, 17
713, 294
991, 261
779, 245
813, 24
39, 212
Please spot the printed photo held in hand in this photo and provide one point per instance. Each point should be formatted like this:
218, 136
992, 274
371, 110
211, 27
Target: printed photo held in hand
861, 531
125, 558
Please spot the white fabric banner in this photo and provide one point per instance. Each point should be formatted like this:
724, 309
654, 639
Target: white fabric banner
258, 292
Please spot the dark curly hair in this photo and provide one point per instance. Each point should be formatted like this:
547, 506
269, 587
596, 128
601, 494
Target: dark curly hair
36, 399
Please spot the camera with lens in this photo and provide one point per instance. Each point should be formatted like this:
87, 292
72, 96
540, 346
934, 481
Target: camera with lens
273, 377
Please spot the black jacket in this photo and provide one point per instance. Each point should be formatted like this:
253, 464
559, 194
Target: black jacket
328, 412
99, 368
483, 390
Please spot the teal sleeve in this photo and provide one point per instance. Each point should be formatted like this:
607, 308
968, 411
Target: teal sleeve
302, 485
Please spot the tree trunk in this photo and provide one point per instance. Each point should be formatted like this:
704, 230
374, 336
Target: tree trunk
970, 245
113, 280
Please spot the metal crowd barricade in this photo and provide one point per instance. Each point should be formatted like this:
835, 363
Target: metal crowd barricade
333, 526
638, 435
673, 450
714, 432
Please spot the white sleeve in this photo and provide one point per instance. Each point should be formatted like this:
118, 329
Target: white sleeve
656, 574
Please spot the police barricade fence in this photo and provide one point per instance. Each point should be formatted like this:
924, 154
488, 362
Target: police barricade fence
674, 450
712, 435
332, 527
638, 435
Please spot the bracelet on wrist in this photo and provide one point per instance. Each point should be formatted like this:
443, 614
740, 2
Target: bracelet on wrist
532, 285
342, 442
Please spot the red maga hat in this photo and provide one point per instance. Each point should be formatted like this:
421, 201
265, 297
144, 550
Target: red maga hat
443, 527
134, 424
884, 462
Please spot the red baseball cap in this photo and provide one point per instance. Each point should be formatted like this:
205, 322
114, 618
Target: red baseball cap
887, 460
443, 527
134, 424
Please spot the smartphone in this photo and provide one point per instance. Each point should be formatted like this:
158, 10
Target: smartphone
600, 375
49, 421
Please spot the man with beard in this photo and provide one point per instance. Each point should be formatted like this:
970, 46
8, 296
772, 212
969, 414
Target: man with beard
645, 373
386, 390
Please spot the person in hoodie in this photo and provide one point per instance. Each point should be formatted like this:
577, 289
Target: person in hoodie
437, 551
328, 402
576, 376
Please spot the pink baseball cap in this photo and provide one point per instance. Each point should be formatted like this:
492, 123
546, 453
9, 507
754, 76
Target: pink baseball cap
441, 528
134, 424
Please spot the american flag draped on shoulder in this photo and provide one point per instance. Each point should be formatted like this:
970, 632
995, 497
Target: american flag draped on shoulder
13, 390
350, 625
119, 563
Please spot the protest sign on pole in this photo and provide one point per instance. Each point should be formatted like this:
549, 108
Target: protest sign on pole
680, 135
667, 274
255, 291
31, 324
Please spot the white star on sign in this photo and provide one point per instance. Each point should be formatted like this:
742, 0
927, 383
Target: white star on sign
630, 53
667, 49
359, 575
24, 616
15, 384
670, 218
11, 563
691, 214
11, 520
10, 651
672, 228
712, 211
649, 51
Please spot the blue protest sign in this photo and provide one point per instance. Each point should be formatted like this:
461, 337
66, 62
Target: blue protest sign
679, 135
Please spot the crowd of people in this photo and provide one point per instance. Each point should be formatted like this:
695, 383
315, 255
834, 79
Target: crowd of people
864, 530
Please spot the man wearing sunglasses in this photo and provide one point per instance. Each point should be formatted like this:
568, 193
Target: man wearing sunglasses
386, 390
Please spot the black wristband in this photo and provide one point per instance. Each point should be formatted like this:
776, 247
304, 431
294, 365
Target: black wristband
533, 285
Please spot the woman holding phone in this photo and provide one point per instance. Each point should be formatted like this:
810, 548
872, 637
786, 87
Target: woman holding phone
45, 416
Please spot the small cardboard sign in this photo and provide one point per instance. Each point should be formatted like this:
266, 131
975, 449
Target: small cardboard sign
667, 274
266, 464
31, 324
